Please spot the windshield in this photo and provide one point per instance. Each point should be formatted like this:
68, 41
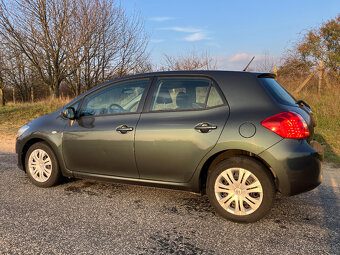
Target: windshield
281, 95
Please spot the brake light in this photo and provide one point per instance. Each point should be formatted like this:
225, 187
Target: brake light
287, 125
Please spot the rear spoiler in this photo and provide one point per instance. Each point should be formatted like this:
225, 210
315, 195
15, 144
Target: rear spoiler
267, 75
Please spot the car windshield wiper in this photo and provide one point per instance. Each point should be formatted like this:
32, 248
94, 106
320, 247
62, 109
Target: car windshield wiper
301, 102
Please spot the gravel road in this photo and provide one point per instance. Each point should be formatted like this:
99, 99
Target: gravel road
90, 217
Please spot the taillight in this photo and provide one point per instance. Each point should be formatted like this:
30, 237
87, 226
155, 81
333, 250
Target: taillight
288, 125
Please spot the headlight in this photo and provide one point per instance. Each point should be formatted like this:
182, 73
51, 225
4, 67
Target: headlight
22, 130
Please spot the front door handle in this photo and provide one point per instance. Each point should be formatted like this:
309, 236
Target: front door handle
205, 127
124, 129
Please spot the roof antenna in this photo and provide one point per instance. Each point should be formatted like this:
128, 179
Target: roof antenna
245, 69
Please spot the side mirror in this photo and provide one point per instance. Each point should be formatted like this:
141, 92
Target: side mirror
69, 113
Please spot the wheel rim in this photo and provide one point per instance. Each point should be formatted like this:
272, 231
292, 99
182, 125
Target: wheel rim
40, 165
238, 191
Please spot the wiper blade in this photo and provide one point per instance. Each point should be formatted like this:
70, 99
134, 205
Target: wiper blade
301, 102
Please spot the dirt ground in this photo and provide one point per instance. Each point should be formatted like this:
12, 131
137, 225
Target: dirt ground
7, 143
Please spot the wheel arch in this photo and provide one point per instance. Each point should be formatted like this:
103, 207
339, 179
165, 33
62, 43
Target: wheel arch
222, 155
31, 142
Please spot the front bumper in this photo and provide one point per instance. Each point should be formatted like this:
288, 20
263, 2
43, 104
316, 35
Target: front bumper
18, 149
296, 164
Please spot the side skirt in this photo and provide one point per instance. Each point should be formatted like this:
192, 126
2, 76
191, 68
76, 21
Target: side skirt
133, 181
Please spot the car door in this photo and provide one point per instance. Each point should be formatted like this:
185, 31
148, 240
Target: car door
182, 121
101, 139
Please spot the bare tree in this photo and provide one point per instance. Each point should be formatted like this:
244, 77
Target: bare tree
115, 45
132, 53
40, 29
77, 42
190, 61
265, 63
2, 84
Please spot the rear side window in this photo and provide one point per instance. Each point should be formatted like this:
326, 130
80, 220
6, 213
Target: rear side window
214, 98
180, 94
281, 95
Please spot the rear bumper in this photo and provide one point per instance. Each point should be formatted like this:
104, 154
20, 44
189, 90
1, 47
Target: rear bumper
296, 164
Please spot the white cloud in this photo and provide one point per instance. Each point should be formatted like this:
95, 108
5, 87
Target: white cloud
161, 19
261, 63
195, 37
183, 29
239, 57
195, 34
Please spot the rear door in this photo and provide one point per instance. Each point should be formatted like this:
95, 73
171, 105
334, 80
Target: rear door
182, 121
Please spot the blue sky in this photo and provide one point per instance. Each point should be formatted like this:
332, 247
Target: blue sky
232, 31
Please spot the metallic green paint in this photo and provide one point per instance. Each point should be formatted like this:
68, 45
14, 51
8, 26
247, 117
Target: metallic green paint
92, 145
168, 148
164, 148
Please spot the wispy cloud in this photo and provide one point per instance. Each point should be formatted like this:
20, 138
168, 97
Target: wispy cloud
160, 19
195, 34
182, 29
195, 37
238, 61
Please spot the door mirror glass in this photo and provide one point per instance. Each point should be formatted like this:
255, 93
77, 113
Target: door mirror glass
69, 113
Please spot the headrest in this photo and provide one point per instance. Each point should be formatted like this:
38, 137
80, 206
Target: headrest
164, 97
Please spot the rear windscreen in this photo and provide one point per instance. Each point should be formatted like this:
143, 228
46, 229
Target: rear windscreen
281, 95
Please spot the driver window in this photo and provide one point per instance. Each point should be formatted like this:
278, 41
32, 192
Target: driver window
120, 98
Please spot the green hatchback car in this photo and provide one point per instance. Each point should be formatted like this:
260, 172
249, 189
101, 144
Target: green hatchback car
238, 137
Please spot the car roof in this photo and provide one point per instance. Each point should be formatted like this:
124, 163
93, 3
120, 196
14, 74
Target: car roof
186, 72
192, 72
208, 73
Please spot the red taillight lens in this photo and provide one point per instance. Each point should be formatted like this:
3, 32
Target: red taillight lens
288, 125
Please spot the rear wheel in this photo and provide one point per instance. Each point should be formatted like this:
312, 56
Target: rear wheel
241, 189
42, 165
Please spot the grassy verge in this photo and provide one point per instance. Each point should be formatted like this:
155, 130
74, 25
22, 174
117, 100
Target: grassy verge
326, 110
13, 116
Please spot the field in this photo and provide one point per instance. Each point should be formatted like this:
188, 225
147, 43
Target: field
13, 116
325, 108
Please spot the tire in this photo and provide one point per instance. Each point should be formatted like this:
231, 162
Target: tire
42, 166
232, 198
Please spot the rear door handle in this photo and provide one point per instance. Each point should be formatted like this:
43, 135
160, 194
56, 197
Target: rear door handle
124, 129
205, 127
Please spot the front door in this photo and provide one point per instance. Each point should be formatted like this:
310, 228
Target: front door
101, 140
183, 122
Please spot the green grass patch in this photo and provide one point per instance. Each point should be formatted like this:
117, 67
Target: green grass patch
13, 116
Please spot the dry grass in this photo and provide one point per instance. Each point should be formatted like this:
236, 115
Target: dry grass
13, 116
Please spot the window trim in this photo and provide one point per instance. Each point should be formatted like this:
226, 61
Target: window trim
148, 102
141, 102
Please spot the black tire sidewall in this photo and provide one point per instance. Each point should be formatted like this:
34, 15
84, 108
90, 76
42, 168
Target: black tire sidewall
259, 171
55, 174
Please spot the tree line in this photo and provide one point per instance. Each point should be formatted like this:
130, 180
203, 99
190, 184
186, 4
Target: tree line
74, 43
77, 44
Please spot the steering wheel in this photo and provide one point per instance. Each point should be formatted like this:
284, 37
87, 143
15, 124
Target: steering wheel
117, 106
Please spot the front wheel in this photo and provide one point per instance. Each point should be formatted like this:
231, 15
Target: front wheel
42, 165
241, 189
